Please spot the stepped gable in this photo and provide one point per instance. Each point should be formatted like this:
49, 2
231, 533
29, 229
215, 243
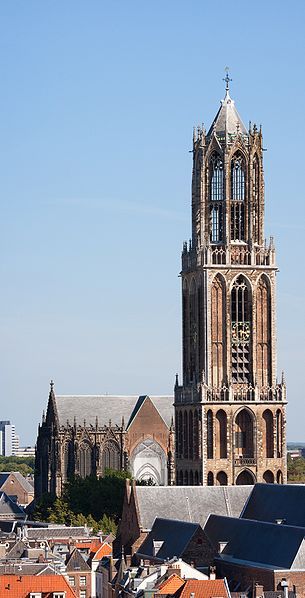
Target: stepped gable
105, 407
188, 503
271, 502
257, 543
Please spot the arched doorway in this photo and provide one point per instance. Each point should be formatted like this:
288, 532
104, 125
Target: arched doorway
268, 477
279, 477
210, 479
244, 434
221, 479
148, 462
245, 478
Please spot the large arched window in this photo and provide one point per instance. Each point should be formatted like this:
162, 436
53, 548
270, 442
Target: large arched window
210, 434
218, 331
268, 436
191, 436
222, 479
244, 434
111, 456
241, 331
185, 436
216, 198
210, 479
279, 432
67, 460
238, 187
85, 460
196, 435
180, 435
221, 434
193, 331
255, 199
263, 332
185, 327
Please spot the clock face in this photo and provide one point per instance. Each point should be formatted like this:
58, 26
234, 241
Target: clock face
241, 332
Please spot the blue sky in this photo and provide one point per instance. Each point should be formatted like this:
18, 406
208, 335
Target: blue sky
97, 104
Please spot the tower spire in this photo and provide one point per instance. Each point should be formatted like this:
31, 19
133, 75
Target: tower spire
227, 80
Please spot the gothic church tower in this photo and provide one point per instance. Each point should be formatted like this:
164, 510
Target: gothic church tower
230, 409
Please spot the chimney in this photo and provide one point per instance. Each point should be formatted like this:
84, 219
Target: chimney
259, 591
212, 572
284, 585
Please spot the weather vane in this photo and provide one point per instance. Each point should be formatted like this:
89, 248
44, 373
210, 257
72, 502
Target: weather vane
227, 78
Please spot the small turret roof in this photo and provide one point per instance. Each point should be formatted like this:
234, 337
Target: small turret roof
227, 120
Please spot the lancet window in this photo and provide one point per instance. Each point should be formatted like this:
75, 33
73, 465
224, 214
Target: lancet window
255, 199
216, 198
263, 332
218, 331
210, 434
241, 331
238, 186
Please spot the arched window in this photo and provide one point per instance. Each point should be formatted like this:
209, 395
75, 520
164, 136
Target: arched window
221, 434
111, 456
85, 460
193, 331
67, 460
222, 479
186, 478
191, 438
279, 477
196, 478
196, 435
191, 478
244, 434
268, 477
216, 198
185, 436
255, 199
279, 433
218, 331
180, 435
268, 436
238, 184
263, 332
245, 478
210, 479
210, 434
241, 330
185, 327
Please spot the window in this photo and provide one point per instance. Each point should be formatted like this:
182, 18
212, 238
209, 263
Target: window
82, 580
238, 198
71, 580
82, 594
241, 331
35, 595
59, 594
216, 198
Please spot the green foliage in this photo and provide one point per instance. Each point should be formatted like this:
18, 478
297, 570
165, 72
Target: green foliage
25, 465
95, 502
296, 469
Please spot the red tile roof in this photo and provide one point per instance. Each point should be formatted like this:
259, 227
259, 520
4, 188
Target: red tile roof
170, 585
204, 588
20, 586
104, 550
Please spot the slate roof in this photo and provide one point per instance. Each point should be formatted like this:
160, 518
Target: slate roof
227, 118
106, 407
175, 536
263, 544
269, 502
76, 562
9, 507
48, 533
21, 479
189, 503
16, 551
22, 568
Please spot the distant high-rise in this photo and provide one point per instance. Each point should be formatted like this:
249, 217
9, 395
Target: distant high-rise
230, 411
9, 440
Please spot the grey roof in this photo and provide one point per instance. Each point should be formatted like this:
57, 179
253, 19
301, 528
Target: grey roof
108, 407
76, 562
269, 502
227, 119
21, 479
22, 568
259, 543
9, 507
48, 533
174, 534
16, 551
189, 503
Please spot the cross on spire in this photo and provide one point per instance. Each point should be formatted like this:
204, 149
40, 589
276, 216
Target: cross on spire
227, 79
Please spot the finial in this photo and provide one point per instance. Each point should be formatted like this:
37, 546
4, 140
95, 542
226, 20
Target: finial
43, 417
177, 380
51, 385
227, 80
283, 377
123, 422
